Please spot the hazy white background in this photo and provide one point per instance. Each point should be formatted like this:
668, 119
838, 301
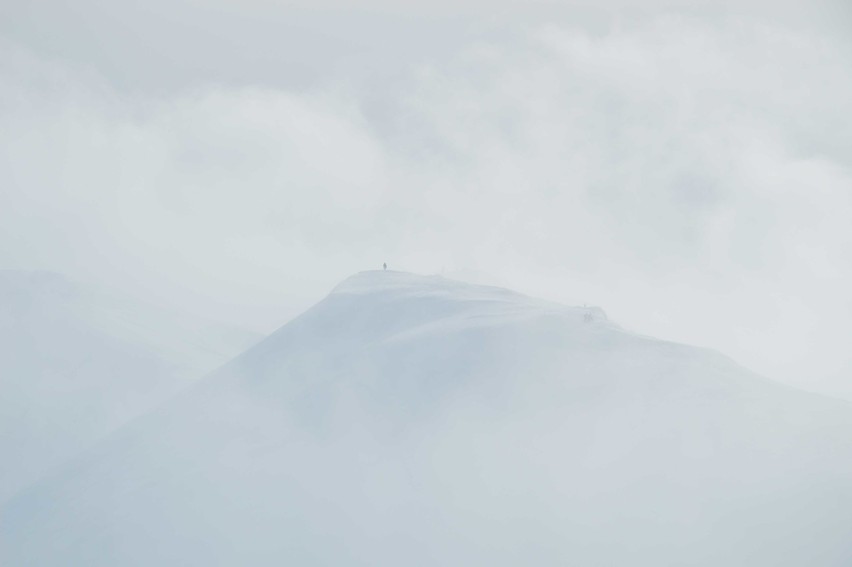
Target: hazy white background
684, 165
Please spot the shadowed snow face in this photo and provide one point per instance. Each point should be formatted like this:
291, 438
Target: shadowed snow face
76, 363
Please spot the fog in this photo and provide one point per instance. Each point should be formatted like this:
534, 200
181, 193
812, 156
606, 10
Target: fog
684, 165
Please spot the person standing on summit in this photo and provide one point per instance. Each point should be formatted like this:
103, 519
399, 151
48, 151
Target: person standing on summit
385, 266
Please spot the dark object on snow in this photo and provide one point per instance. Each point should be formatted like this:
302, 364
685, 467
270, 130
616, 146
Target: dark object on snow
385, 265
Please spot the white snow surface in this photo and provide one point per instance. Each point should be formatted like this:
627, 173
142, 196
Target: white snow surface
417, 421
76, 363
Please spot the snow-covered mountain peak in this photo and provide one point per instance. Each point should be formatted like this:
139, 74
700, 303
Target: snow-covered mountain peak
437, 297
405, 284
373, 307
415, 420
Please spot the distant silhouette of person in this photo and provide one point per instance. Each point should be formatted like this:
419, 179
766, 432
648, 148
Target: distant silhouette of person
385, 265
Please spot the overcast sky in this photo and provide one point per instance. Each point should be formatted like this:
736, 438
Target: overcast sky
687, 166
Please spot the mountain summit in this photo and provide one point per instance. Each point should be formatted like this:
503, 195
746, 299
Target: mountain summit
411, 420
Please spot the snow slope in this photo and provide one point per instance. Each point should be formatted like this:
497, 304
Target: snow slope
409, 420
76, 363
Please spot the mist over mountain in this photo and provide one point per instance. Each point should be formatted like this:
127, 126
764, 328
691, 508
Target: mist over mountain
77, 362
415, 420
